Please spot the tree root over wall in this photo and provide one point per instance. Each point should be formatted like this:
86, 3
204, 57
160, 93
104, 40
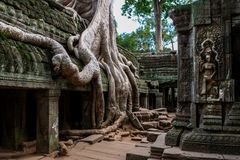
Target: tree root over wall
96, 47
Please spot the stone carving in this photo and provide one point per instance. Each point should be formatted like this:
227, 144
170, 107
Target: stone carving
208, 70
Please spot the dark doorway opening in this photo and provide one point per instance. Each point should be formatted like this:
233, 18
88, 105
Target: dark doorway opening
18, 118
235, 41
72, 110
152, 101
31, 116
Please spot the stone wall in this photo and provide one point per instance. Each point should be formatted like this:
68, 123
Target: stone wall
22, 62
160, 68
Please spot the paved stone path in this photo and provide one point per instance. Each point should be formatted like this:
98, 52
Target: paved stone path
104, 150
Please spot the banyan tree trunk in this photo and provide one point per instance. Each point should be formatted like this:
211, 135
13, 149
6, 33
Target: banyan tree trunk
97, 48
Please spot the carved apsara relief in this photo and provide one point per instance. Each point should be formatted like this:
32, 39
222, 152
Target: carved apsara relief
208, 69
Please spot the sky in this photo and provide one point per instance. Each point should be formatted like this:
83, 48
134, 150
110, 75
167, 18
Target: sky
124, 24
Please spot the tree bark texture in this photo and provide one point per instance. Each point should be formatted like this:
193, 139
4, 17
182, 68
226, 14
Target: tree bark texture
157, 7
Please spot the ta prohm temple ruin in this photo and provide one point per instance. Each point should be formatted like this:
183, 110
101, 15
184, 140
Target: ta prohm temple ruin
63, 79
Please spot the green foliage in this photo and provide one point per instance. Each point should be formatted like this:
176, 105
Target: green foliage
141, 40
142, 10
128, 41
139, 8
168, 33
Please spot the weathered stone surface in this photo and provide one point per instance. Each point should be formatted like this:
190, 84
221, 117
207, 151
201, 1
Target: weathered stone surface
136, 138
144, 140
29, 147
162, 68
163, 117
153, 130
159, 146
47, 122
93, 138
206, 118
211, 142
118, 138
164, 124
231, 157
176, 153
138, 153
125, 134
152, 136
152, 124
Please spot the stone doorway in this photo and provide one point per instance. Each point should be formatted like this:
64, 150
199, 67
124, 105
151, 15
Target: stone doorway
235, 38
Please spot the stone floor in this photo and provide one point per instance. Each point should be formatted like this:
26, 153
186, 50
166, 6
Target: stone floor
131, 150
103, 150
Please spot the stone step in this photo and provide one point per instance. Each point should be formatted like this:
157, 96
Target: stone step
159, 146
176, 153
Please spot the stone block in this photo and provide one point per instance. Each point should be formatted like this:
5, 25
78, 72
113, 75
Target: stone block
138, 153
136, 138
159, 146
152, 124
176, 153
152, 136
164, 123
93, 138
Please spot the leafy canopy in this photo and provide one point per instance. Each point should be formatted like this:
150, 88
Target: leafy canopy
142, 40
143, 8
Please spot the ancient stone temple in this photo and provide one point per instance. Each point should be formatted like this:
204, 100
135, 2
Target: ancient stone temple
29, 92
61, 72
160, 73
207, 118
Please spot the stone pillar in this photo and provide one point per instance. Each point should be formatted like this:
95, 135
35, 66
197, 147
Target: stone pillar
159, 100
145, 100
182, 21
47, 121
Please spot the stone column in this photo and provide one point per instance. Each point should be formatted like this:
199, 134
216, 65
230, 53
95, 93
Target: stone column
159, 100
182, 21
145, 100
47, 121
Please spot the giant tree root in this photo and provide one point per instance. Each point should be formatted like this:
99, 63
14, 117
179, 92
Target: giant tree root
103, 131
